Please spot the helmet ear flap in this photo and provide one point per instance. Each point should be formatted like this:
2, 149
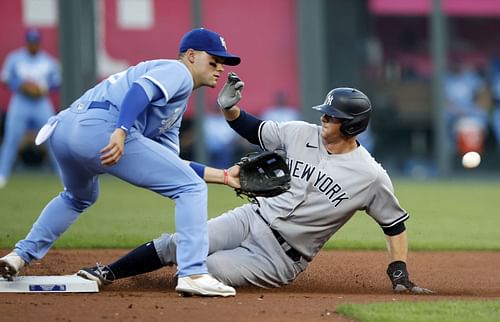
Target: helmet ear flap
355, 126
347, 127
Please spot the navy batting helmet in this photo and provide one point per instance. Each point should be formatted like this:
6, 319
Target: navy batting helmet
350, 106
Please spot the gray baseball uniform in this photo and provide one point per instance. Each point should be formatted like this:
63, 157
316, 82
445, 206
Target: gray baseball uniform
326, 191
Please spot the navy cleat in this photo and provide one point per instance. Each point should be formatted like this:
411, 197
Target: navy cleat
99, 273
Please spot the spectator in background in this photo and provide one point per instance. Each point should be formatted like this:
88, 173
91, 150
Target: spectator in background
466, 120
280, 111
30, 73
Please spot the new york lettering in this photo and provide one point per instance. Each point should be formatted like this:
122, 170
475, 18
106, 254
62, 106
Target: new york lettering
322, 181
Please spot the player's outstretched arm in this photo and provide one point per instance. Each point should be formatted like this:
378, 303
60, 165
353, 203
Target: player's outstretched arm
398, 273
230, 177
259, 174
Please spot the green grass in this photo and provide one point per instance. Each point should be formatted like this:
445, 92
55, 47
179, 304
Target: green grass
460, 215
441, 311
444, 215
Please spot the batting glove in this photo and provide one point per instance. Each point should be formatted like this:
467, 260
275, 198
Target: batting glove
230, 94
401, 281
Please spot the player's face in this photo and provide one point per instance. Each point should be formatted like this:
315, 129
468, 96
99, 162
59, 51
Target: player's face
330, 127
207, 68
33, 47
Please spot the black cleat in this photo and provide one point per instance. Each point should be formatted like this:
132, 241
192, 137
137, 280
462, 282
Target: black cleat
99, 273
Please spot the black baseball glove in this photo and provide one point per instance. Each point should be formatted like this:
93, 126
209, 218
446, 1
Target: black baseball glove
263, 174
401, 279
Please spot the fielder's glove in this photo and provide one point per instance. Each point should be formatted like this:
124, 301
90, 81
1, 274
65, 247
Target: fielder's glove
263, 174
401, 281
230, 94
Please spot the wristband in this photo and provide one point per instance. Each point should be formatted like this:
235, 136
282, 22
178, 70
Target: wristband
198, 168
226, 177
397, 270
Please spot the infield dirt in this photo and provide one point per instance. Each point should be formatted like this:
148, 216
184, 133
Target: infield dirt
334, 277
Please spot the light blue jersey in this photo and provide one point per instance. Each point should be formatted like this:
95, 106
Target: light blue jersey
150, 159
161, 120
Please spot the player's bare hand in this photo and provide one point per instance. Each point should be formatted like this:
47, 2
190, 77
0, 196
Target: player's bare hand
113, 152
234, 176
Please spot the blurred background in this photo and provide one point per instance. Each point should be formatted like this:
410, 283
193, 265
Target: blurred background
430, 67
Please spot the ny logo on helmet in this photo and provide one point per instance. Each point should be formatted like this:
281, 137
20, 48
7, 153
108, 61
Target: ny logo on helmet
328, 100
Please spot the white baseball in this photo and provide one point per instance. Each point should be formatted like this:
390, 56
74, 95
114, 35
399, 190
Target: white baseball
471, 160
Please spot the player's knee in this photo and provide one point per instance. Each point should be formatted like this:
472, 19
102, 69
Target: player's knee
225, 271
78, 204
215, 269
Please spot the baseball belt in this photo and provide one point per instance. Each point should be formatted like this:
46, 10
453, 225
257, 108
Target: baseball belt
100, 105
289, 250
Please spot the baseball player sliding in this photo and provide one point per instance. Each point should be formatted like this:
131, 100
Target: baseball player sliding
270, 242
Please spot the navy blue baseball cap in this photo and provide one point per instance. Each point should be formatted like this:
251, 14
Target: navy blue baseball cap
33, 35
210, 42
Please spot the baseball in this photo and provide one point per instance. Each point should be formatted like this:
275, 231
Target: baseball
471, 160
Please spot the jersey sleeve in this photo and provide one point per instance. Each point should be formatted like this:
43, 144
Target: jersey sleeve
277, 135
171, 80
152, 91
383, 205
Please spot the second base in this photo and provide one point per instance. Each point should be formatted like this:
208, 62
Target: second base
52, 284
